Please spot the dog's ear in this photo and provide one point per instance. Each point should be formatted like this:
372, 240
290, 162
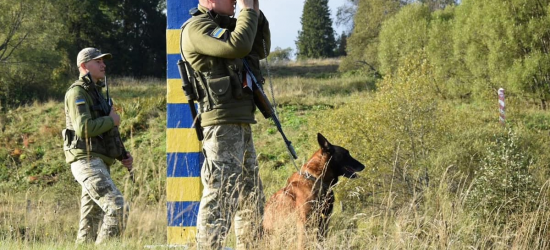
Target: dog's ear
324, 143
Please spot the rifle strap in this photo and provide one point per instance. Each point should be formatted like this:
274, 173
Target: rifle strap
269, 78
273, 98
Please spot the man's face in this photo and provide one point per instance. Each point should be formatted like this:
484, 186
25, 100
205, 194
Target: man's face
224, 7
96, 68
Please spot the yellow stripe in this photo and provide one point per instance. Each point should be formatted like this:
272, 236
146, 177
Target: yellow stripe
181, 235
173, 41
182, 140
175, 92
183, 189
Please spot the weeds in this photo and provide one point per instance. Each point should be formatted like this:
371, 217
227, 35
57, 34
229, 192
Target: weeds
428, 160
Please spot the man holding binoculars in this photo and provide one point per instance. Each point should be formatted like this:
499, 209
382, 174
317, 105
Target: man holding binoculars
213, 44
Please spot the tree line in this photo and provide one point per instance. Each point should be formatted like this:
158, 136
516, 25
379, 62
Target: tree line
474, 47
40, 39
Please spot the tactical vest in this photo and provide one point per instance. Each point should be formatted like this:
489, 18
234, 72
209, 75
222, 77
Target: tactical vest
222, 86
109, 143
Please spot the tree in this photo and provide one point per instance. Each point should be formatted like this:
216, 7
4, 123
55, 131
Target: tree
140, 38
40, 39
504, 44
85, 24
362, 44
316, 39
403, 35
346, 13
438, 4
28, 57
341, 44
133, 31
280, 55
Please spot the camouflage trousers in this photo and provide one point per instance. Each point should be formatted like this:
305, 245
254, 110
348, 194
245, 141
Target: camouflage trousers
101, 202
232, 188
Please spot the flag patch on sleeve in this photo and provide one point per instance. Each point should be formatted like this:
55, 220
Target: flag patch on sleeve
218, 33
80, 101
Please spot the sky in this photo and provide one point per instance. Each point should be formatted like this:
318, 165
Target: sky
284, 20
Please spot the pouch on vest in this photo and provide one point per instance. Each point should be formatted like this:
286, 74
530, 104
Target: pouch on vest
113, 144
218, 88
234, 68
72, 141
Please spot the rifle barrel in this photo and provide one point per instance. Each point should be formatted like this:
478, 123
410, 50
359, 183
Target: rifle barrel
267, 109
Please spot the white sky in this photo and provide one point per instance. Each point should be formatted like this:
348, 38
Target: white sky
284, 20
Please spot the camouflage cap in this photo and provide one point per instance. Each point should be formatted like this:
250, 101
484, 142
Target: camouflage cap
89, 54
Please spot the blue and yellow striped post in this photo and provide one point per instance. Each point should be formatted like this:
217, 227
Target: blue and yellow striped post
183, 185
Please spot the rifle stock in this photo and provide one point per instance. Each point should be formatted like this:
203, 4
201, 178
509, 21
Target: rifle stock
191, 97
265, 107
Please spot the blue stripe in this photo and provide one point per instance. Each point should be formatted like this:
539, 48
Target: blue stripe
172, 66
182, 214
177, 12
184, 164
218, 33
179, 115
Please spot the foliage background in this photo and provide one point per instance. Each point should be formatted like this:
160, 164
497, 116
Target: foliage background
414, 99
39, 41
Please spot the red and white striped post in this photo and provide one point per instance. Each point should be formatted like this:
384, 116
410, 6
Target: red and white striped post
501, 107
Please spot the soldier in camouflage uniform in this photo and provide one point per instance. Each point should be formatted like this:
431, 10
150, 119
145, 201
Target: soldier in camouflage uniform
214, 43
89, 148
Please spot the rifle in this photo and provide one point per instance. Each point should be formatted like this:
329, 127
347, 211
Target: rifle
124, 152
188, 83
263, 104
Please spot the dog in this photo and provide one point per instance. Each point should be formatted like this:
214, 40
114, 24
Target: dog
308, 194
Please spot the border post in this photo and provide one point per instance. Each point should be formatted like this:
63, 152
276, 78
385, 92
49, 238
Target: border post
501, 107
183, 150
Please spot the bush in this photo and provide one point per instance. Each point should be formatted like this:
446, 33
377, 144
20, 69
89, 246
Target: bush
393, 132
280, 55
503, 183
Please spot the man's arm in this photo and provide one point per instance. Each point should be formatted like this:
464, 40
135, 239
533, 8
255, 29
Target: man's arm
81, 117
205, 37
262, 35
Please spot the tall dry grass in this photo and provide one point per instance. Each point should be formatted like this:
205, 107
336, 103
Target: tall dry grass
44, 215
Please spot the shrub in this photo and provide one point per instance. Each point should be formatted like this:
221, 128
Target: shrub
503, 183
393, 132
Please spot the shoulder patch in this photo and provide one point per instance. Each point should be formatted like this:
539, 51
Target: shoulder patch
80, 101
218, 33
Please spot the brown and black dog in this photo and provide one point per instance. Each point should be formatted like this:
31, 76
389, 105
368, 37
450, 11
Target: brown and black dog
308, 195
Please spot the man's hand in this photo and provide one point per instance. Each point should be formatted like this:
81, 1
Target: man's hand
249, 4
257, 6
128, 162
115, 116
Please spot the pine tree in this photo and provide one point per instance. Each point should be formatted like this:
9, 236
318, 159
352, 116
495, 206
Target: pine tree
341, 44
316, 39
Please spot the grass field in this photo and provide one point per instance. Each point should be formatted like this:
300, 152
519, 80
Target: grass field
441, 174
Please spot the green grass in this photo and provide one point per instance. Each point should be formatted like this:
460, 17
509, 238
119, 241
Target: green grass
399, 129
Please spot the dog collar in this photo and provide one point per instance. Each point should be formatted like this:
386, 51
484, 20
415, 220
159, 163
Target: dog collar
311, 177
307, 175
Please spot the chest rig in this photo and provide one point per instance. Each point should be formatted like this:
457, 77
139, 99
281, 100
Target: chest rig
108, 143
221, 86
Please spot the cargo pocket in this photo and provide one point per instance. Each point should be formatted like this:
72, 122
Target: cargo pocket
97, 186
219, 89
